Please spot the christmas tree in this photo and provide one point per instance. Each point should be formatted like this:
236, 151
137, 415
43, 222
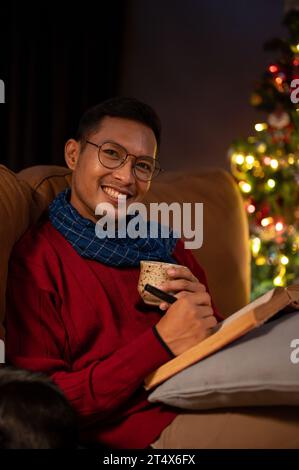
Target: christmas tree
266, 167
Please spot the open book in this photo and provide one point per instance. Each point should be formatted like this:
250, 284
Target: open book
252, 315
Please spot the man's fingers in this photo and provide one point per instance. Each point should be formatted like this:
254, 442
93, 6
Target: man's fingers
199, 298
202, 298
182, 272
179, 285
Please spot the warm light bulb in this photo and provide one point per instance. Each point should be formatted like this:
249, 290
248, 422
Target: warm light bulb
297, 47
260, 126
249, 159
245, 187
278, 80
274, 163
271, 183
239, 159
277, 281
291, 160
273, 68
266, 221
260, 260
284, 260
261, 148
279, 226
251, 208
267, 160
255, 245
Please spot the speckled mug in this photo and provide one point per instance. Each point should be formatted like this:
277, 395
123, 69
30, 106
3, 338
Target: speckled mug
154, 273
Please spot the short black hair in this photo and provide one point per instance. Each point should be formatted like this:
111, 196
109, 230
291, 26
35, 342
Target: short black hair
121, 107
34, 413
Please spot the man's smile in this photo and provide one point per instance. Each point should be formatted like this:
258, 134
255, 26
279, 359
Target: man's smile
114, 192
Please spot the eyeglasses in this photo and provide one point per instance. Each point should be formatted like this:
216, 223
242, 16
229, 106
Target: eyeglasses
113, 156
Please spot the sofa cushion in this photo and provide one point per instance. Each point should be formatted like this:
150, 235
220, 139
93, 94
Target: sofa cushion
15, 217
46, 182
254, 370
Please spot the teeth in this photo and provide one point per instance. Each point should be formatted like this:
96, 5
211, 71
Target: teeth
112, 192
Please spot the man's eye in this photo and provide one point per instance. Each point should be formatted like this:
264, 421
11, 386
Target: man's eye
144, 166
111, 153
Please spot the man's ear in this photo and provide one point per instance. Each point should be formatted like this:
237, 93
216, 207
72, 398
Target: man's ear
71, 153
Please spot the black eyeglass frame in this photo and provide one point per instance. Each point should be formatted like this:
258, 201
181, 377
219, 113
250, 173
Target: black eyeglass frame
158, 169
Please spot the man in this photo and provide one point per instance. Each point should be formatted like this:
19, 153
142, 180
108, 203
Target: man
73, 307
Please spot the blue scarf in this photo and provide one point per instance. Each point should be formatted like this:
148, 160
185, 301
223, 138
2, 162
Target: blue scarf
80, 233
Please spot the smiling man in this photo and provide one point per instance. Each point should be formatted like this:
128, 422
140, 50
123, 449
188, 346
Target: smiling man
73, 309
103, 167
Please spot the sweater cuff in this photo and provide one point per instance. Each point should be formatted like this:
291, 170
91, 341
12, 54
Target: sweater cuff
163, 342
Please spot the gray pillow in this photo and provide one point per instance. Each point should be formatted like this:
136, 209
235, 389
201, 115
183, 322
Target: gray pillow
255, 370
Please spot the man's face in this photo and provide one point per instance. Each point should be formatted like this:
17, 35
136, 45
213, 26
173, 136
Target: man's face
92, 183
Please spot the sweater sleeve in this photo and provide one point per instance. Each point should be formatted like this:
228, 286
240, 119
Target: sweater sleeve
36, 339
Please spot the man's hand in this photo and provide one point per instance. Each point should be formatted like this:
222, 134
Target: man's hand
187, 322
182, 282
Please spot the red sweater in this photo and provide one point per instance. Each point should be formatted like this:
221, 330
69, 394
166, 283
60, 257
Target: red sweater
83, 324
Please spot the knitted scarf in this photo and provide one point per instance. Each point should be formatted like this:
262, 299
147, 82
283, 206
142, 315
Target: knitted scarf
80, 233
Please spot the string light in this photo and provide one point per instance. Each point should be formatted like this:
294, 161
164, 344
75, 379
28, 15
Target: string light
271, 183
266, 221
277, 281
274, 163
279, 226
249, 159
255, 245
284, 260
260, 126
267, 160
239, 159
260, 261
291, 160
251, 209
261, 148
273, 68
245, 187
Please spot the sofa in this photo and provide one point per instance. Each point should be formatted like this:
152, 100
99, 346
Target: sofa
224, 253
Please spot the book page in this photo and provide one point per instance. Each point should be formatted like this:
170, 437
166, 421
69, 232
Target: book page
255, 303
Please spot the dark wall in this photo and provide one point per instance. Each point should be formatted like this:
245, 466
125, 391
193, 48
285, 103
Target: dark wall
56, 60
196, 62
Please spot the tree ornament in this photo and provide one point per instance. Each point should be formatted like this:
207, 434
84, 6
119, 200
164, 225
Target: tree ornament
280, 125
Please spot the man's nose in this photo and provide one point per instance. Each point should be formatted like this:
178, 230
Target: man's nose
125, 172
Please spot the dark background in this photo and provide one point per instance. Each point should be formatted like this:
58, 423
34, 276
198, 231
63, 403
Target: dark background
194, 61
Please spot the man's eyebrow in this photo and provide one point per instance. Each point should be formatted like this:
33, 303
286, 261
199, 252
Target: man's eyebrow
111, 141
